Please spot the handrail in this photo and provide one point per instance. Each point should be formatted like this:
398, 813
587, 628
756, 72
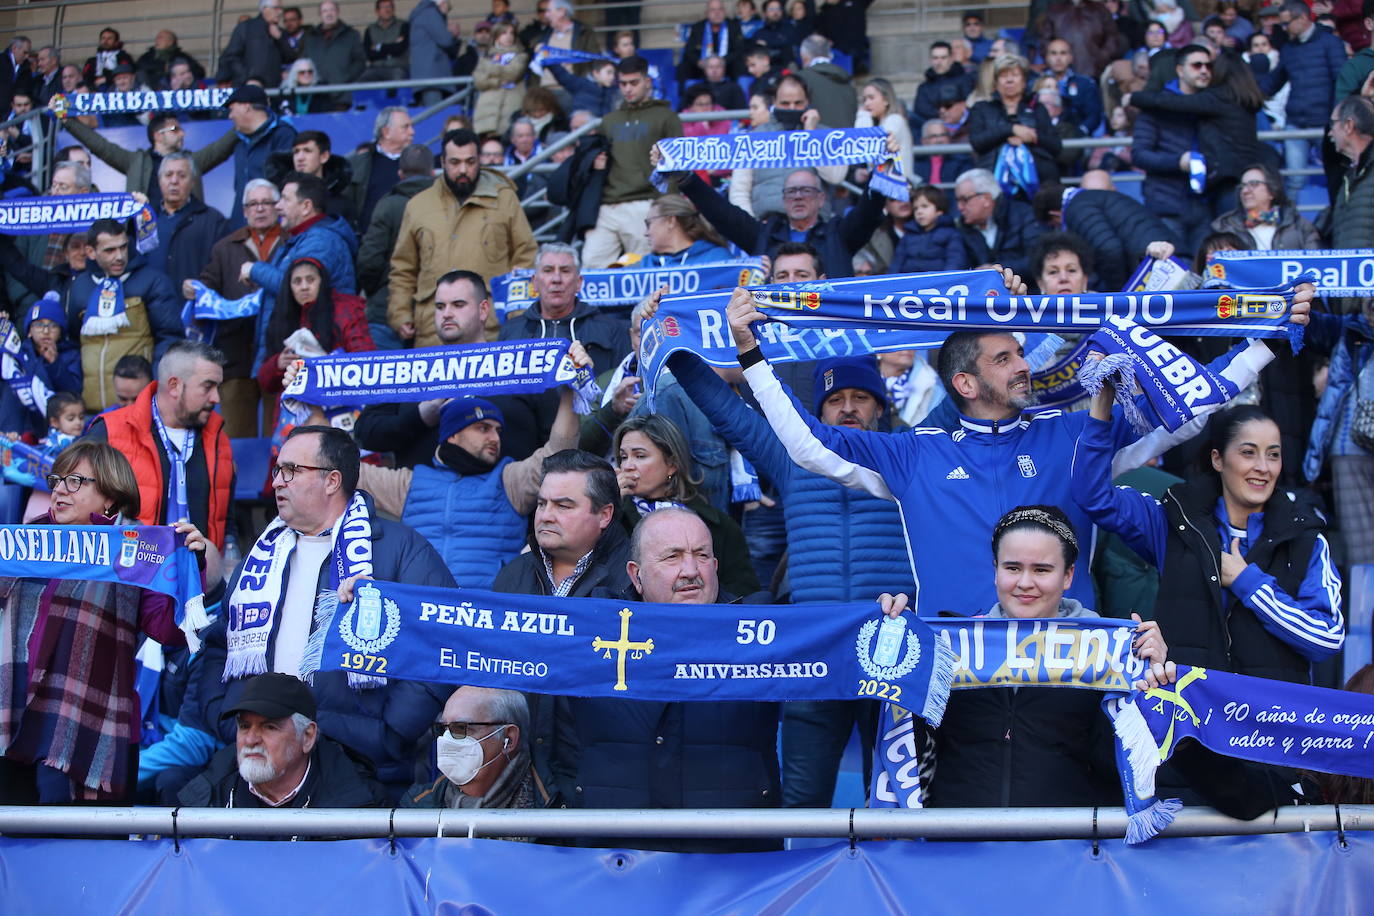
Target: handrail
861, 823
335, 88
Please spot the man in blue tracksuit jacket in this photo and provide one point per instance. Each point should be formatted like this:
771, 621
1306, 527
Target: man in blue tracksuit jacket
843, 545
952, 487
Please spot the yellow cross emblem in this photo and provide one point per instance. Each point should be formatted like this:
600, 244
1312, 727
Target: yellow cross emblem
623, 645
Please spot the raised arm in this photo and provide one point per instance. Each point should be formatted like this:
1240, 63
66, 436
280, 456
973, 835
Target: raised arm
1135, 516
730, 416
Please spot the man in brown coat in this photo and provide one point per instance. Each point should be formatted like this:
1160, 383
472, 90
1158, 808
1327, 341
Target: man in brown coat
470, 220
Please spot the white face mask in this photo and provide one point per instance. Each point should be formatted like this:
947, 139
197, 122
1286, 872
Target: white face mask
460, 759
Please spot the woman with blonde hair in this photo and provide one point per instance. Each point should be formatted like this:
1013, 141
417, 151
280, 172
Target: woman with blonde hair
679, 235
1011, 118
500, 81
878, 107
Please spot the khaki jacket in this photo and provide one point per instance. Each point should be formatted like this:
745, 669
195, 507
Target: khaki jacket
487, 234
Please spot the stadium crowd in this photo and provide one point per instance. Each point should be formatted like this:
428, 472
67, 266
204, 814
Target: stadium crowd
395, 245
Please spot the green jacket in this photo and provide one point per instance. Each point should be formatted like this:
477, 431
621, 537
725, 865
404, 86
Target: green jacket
139, 166
633, 131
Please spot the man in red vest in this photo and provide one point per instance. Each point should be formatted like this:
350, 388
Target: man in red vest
176, 444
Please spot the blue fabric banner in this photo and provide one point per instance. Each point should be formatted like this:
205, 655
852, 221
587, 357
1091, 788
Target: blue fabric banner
17, 369
1336, 272
514, 291
64, 213
547, 55
200, 315
1057, 385
388, 376
139, 100
669, 652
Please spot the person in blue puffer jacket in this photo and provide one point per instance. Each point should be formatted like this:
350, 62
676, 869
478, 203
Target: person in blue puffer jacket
843, 545
930, 241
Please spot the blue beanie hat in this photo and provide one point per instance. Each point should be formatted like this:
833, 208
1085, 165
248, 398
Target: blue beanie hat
847, 372
460, 413
49, 308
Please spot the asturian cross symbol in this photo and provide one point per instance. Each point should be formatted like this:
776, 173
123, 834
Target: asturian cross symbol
623, 645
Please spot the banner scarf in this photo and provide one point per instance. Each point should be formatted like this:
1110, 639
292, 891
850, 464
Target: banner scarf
211, 306
1338, 272
148, 556
786, 149
1256, 719
622, 287
1176, 387
389, 376
17, 369
1153, 275
25, 459
139, 100
1092, 653
1057, 384
599, 647
70, 213
261, 587
1015, 170
1222, 313
547, 55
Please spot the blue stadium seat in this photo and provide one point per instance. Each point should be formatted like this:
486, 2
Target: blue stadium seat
251, 458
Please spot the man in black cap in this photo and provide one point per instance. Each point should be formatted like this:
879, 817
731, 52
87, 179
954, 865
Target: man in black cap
280, 759
124, 79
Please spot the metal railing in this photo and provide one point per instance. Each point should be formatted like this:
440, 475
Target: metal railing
837, 823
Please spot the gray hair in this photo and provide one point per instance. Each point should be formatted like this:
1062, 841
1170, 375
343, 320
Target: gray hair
256, 183
81, 174
549, 248
384, 119
525, 121
508, 706
51, 50
264, 4
293, 75
564, 5
180, 156
983, 182
302, 722
814, 46
1359, 111
181, 357
18, 40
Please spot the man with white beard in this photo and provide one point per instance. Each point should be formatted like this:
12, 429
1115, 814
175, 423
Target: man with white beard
280, 759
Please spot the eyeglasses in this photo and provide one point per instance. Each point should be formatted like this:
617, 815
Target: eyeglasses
303, 70
288, 472
170, 129
72, 482
965, 198
459, 730
261, 203
1253, 183
800, 192
1200, 65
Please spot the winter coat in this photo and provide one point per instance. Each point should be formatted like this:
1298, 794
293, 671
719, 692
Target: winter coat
251, 153
140, 165
1353, 73
989, 128
832, 94
940, 247
583, 39
187, 250
387, 46
1293, 233
1350, 341
374, 251
1226, 131
1017, 233
154, 312
432, 45
338, 180
350, 334
1118, 227
329, 241
689, 67
1352, 213
253, 54
1311, 68
525, 575
587, 93
843, 544
336, 779
924, 106
235, 338
1090, 31
633, 131
501, 89
836, 238
338, 57
1159, 140
577, 187
606, 337
380, 723
487, 233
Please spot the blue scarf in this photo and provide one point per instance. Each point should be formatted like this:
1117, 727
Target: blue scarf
1057, 384
19, 370
1348, 272
1152, 275
599, 647
1015, 170
388, 376
514, 291
30, 466
547, 55
1175, 386
210, 306
139, 100
785, 149
68, 213
149, 556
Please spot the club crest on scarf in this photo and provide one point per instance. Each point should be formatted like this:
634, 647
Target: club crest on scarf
378, 622
888, 661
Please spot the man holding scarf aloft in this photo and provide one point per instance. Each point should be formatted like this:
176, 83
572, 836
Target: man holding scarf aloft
281, 599
1000, 457
471, 503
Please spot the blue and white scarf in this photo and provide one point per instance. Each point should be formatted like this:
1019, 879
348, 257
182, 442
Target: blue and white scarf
149, 556
64, 214
1175, 386
31, 466
600, 647
260, 587
621, 287
1153, 275
389, 376
1337, 272
547, 55
138, 101
209, 306
785, 149
1015, 170
18, 370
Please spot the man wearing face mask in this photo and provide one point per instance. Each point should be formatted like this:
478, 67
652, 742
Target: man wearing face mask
644, 754
482, 755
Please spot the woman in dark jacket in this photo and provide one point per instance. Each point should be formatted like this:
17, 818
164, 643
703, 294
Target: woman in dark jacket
1265, 220
1226, 129
654, 467
1011, 117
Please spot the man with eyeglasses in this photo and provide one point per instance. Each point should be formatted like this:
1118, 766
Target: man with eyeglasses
287, 589
482, 753
945, 166
1309, 62
1163, 145
997, 229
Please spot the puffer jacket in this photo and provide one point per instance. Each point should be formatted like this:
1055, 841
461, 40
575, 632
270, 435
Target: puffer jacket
938, 248
487, 233
989, 128
1119, 229
1311, 68
1293, 233
1226, 131
844, 545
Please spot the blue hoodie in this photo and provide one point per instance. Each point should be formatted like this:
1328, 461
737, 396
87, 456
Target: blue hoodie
331, 242
700, 252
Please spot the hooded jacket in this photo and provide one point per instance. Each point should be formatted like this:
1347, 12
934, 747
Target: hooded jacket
633, 130
702, 251
486, 233
606, 337
832, 94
